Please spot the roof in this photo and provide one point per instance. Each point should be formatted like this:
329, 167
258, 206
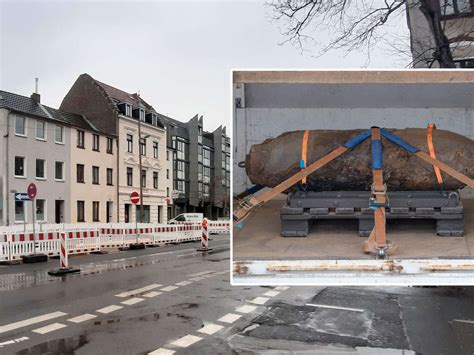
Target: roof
28, 106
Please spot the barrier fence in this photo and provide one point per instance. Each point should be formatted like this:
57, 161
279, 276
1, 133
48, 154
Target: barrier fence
91, 238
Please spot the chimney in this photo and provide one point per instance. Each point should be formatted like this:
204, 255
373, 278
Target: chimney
35, 96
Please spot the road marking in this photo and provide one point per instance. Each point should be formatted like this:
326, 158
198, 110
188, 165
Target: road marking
271, 293
201, 273
464, 321
260, 300
138, 290
229, 318
152, 294
109, 309
162, 351
181, 255
210, 328
30, 321
184, 283
82, 318
246, 309
13, 341
281, 288
335, 307
132, 301
197, 278
186, 341
49, 328
169, 288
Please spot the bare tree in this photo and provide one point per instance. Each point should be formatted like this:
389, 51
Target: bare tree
356, 25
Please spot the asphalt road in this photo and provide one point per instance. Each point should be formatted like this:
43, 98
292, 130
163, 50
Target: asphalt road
174, 299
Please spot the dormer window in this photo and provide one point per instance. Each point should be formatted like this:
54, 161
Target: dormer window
128, 110
155, 120
142, 115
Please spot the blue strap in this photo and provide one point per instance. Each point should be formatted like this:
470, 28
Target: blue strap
302, 164
397, 140
355, 141
377, 154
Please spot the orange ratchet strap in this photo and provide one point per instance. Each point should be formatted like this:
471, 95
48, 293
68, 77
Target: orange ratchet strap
429, 136
304, 151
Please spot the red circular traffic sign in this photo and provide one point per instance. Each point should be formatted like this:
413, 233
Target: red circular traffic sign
134, 197
31, 191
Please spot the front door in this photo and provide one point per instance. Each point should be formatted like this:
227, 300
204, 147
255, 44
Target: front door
127, 213
108, 212
59, 211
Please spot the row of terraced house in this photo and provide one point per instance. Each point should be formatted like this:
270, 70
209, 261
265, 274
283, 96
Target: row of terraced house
84, 159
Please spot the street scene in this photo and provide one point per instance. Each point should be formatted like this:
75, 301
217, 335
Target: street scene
237, 177
175, 299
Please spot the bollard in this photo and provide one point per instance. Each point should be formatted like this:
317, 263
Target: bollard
63, 260
204, 237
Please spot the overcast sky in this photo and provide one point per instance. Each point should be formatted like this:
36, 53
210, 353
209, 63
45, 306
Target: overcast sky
178, 54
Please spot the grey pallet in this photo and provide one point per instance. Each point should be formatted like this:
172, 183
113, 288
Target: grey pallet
302, 208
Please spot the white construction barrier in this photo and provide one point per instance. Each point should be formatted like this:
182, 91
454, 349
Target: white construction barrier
219, 227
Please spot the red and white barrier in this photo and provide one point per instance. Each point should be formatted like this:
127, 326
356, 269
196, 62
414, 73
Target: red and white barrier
63, 252
219, 227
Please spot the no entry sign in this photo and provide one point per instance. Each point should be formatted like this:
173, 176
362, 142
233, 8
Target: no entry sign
134, 197
31, 191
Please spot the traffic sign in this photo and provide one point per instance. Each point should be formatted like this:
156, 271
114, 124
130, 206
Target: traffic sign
134, 197
21, 196
32, 191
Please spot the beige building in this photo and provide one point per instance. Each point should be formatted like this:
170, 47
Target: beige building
94, 177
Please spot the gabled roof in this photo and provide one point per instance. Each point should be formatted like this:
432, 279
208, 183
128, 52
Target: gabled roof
28, 106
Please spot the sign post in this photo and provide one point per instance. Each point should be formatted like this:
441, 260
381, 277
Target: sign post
135, 199
30, 196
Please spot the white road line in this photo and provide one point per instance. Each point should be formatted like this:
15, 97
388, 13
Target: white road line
49, 328
30, 321
82, 318
246, 309
13, 341
201, 273
184, 283
197, 278
132, 301
210, 328
271, 293
229, 318
162, 351
181, 255
281, 288
109, 309
138, 290
259, 300
186, 341
464, 321
335, 307
152, 294
169, 288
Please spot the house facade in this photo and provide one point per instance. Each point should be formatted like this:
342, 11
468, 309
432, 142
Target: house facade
36, 146
457, 20
141, 140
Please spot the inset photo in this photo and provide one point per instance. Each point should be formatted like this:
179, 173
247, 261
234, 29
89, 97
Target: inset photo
353, 177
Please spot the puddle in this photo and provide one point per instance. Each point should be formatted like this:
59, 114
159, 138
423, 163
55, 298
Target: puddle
186, 305
57, 346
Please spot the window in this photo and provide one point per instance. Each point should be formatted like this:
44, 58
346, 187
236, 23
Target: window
206, 175
223, 160
142, 115
59, 134
155, 150
40, 206
80, 139
227, 163
180, 147
143, 146
41, 130
20, 211
95, 142
95, 175
110, 174
129, 143
455, 7
207, 157
200, 153
223, 177
20, 126
155, 180
154, 120
110, 145
80, 173
199, 134
128, 110
59, 170
167, 192
180, 186
205, 190
80, 211
129, 176
95, 211
167, 173
40, 169
167, 155
180, 170
199, 172
20, 167
144, 178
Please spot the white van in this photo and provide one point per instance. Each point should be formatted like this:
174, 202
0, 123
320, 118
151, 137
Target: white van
187, 217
